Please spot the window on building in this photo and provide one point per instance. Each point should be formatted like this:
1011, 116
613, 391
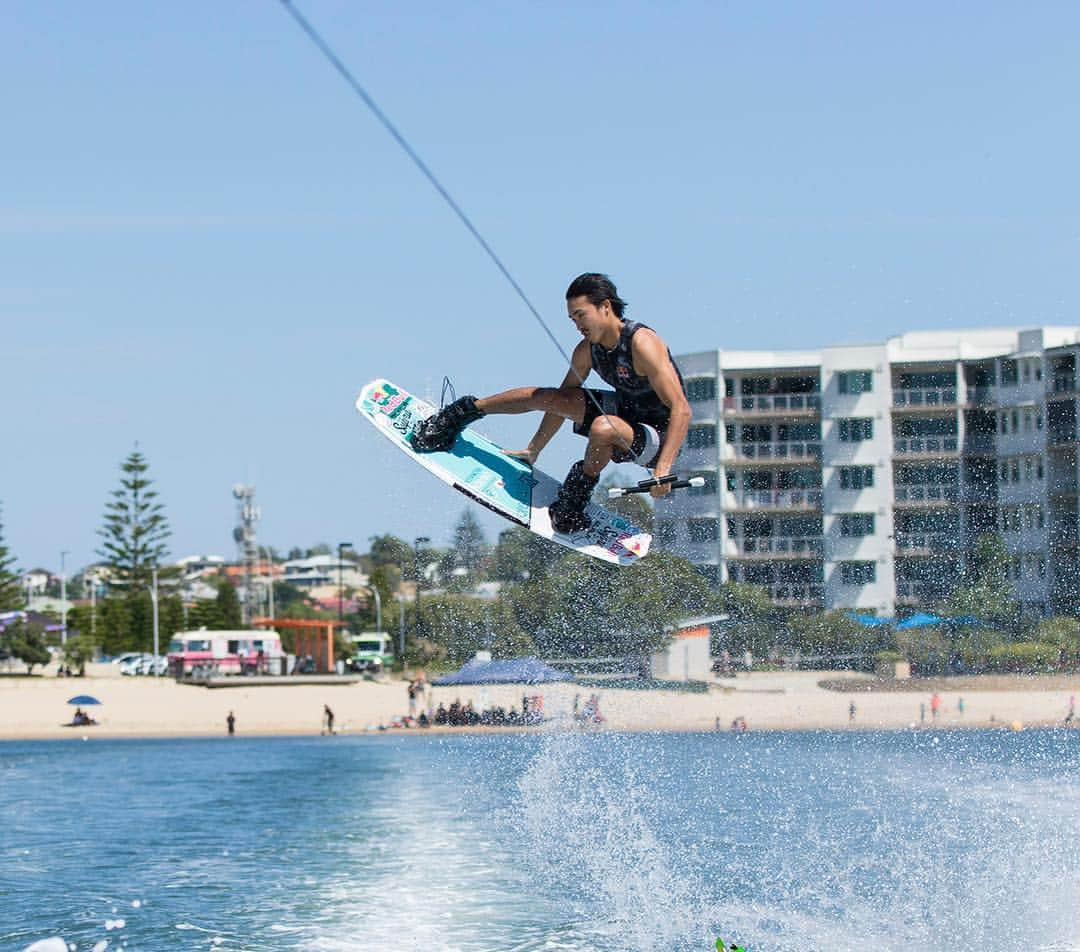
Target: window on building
709, 489
701, 435
701, 388
729, 432
855, 381
1029, 420
854, 524
711, 573
858, 573
856, 429
703, 530
1004, 419
856, 477
664, 531
1008, 373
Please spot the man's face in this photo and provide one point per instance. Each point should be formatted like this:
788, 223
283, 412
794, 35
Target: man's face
588, 318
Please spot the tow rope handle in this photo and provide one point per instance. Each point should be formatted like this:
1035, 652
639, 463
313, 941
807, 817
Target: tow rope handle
646, 484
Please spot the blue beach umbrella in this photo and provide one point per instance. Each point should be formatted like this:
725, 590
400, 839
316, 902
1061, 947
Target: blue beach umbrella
82, 699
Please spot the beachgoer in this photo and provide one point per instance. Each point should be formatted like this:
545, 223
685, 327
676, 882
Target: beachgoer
643, 420
851, 711
230, 723
935, 706
329, 716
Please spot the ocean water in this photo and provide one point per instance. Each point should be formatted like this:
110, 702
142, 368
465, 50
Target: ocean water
547, 841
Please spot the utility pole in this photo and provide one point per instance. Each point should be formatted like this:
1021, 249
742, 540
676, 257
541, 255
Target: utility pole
63, 596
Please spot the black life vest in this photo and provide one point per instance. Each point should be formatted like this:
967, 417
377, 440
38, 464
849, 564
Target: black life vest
616, 368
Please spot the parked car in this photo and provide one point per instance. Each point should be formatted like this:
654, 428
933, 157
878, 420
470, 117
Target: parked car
126, 657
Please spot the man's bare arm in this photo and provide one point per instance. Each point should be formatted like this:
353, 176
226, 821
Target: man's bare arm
580, 367
651, 360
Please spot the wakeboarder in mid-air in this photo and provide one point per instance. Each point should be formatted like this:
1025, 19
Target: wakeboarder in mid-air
643, 420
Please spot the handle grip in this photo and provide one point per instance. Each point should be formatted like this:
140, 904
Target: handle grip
646, 484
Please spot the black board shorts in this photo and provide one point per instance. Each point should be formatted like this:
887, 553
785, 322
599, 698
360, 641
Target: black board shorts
649, 432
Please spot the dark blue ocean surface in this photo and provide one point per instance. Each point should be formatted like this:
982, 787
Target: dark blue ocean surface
929, 840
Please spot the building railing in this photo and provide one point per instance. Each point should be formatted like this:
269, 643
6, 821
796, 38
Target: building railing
778, 499
794, 592
921, 591
926, 397
1057, 435
783, 545
773, 403
980, 396
927, 541
777, 450
1062, 383
918, 445
979, 443
927, 493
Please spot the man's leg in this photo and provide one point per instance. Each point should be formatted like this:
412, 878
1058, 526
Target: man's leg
439, 431
607, 436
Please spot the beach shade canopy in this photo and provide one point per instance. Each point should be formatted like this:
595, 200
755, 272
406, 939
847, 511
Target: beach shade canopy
84, 699
516, 671
869, 621
920, 620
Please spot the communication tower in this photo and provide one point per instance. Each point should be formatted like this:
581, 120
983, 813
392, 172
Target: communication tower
247, 515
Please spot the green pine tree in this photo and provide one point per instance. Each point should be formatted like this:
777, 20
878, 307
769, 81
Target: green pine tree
470, 546
135, 527
10, 590
228, 606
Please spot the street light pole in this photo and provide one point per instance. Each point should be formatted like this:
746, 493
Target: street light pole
401, 627
342, 546
154, 600
417, 542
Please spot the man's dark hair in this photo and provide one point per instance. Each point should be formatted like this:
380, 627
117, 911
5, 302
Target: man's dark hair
598, 288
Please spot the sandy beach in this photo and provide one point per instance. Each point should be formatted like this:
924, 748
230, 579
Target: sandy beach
146, 707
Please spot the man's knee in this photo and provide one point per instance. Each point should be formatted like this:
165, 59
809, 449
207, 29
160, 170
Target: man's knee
604, 430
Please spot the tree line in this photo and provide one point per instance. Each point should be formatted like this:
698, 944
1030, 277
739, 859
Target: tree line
550, 601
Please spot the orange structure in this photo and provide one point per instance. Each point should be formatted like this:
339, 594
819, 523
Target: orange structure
312, 637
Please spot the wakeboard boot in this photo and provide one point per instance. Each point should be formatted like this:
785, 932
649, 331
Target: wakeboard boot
567, 512
439, 430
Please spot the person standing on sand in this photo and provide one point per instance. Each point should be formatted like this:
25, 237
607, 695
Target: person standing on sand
230, 723
329, 716
935, 706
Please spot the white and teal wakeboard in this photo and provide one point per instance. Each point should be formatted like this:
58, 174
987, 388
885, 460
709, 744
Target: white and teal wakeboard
482, 471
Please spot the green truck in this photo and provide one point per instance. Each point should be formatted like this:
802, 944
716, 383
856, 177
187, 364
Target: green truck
371, 651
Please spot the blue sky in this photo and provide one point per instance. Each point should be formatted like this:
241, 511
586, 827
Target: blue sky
207, 244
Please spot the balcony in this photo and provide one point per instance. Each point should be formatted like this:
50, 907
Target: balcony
918, 593
794, 593
977, 443
1062, 383
927, 543
930, 397
780, 547
775, 452
757, 500
1061, 435
925, 446
927, 495
774, 404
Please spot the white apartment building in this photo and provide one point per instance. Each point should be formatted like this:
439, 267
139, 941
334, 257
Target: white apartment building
861, 476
